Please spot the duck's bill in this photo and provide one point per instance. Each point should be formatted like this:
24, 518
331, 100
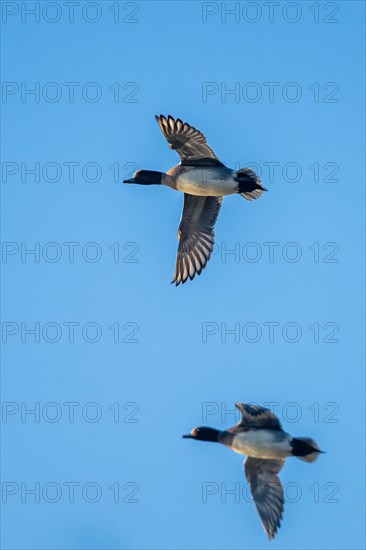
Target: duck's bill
187, 436
131, 180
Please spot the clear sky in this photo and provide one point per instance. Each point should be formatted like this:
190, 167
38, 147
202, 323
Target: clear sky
120, 363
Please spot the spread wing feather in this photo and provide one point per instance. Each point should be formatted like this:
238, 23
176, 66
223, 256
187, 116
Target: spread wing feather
195, 235
267, 491
255, 416
189, 143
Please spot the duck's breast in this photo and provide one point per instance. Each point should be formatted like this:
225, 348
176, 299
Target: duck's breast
262, 444
214, 181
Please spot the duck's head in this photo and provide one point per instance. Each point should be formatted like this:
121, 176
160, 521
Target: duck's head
145, 177
203, 433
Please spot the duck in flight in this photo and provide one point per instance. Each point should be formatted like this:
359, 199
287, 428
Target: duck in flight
259, 436
204, 180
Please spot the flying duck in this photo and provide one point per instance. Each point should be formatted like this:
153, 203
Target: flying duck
259, 436
204, 180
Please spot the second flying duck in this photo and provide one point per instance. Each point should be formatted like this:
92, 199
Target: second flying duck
259, 436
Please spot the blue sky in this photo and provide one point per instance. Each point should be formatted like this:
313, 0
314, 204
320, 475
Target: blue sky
120, 363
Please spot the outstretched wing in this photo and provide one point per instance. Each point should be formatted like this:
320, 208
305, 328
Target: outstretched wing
195, 235
189, 143
255, 416
266, 490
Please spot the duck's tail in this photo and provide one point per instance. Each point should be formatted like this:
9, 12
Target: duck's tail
305, 448
249, 184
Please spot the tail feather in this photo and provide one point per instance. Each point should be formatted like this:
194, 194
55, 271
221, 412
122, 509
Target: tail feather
249, 185
305, 449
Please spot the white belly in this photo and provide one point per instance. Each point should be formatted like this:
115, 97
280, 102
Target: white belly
262, 444
207, 181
